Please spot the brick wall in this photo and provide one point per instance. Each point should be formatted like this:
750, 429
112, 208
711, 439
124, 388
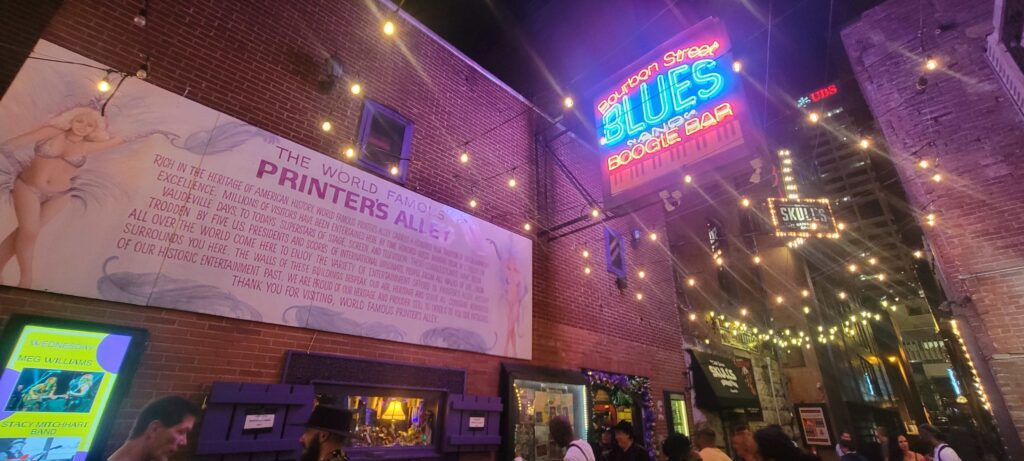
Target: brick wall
260, 62
962, 121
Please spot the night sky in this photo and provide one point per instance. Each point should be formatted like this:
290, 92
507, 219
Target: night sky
546, 48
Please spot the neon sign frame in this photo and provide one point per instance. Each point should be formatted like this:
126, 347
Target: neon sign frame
676, 106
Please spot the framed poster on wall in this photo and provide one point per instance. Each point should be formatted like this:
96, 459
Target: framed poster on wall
62, 384
814, 424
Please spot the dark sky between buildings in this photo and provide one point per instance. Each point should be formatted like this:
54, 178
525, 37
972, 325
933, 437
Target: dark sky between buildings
547, 48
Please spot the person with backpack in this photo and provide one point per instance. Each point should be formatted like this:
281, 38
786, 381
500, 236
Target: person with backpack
563, 435
937, 439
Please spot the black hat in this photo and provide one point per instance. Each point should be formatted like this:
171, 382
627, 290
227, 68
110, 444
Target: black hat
331, 419
624, 426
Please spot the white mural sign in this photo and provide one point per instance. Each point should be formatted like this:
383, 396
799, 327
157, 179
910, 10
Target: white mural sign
163, 202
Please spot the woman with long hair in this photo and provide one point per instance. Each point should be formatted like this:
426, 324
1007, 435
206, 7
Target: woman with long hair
903, 445
43, 187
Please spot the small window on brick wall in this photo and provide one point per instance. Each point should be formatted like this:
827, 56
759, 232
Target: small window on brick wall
384, 140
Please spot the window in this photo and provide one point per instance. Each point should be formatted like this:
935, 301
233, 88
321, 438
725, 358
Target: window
384, 139
388, 417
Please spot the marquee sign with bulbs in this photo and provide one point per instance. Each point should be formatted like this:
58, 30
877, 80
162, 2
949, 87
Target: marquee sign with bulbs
802, 217
678, 105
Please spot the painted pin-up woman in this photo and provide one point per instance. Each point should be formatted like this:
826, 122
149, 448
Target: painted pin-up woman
44, 186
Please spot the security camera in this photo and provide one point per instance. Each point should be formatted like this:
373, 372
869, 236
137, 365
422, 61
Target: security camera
332, 73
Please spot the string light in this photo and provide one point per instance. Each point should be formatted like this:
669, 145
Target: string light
512, 182
639, 296
326, 125
757, 260
691, 282
719, 261
349, 152
642, 275
568, 102
140, 19
872, 260
394, 170
779, 299
103, 85
805, 293
693, 317
586, 270
931, 63
464, 158
653, 236
595, 213
807, 310
389, 28
356, 88
586, 253
881, 277
813, 117
688, 179
842, 295
743, 311
852, 267
923, 164
865, 143
472, 204
918, 254
930, 219
737, 66
937, 177
841, 226
745, 202
527, 226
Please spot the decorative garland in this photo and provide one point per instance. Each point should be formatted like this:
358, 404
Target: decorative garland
635, 384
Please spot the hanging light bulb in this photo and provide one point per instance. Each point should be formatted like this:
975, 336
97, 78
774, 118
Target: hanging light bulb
326, 125
719, 261
639, 296
143, 71
805, 293
852, 268
653, 236
757, 260
688, 179
527, 227
140, 19
937, 177
813, 117
586, 270
865, 143
104, 85
693, 317
842, 295
737, 66
389, 28
586, 253
918, 254
807, 310
779, 299
394, 170
881, 277
568, 102
872, 261
743, 312
745, 202
642, 275
691, 282
931, 63
473, 203
595, 213
464, 157
512, 182
356, 88
350, 152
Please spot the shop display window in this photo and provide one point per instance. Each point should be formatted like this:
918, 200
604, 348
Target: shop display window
388, 417
535, 404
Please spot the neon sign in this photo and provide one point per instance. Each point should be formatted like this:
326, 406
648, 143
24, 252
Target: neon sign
817, 95
677, 105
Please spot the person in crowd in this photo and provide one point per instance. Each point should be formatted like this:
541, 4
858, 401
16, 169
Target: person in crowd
603, 449
906, 453
845, 435
743, 444
161, 429
704, 440
626, 448
937, 440
677, 447
883, 448
15, 451
562, 434
774, 445
849, 451
327, 431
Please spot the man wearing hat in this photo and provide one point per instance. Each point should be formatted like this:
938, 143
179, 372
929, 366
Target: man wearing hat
626, 448
326, 432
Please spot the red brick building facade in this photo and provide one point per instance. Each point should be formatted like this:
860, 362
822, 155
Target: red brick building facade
260, 62
961, 119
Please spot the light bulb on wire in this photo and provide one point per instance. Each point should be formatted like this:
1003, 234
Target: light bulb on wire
568, 102
464, 157
931, 63
473, 203
389, 28
814, 117
737, 66
356, 88
103, 85
326, 125
140, 19
350, 153
512, 182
